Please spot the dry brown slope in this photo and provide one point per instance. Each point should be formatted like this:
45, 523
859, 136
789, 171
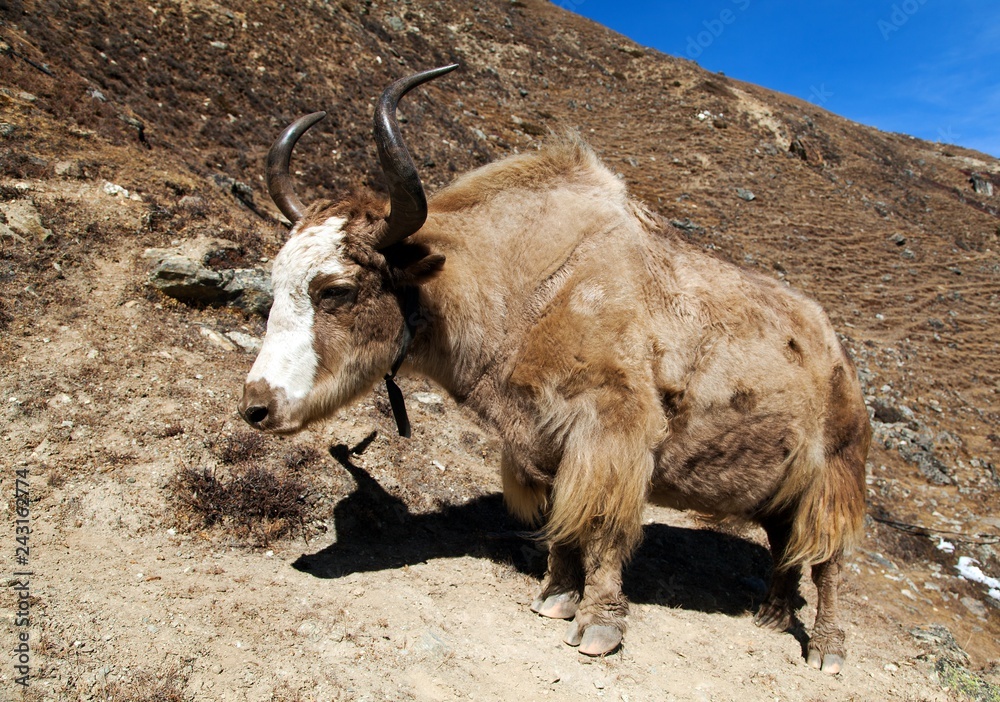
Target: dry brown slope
100, 374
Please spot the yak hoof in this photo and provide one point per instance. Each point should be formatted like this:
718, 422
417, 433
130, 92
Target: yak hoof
829, 663
600, 640
560, 606
773, 616
574, 634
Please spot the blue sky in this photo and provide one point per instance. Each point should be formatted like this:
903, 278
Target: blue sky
930, 68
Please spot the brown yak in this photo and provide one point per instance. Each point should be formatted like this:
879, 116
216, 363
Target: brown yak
617, 363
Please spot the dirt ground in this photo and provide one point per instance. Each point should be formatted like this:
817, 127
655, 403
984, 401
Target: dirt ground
400, 576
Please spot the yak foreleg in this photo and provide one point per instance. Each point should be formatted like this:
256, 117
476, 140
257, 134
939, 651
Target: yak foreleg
597, 503
599, 624
564, 583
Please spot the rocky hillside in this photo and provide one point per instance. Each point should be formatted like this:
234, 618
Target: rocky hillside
129, 127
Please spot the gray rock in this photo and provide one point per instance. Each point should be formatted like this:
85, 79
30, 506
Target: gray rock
217, 339
941, 642
981, 184
182, 274
929, 465
68, 169
433, 642
687, 225
189, 281
428, 398
975, 606
250, 344
23, 218
192, 203
744, 194
395, 24
250, 290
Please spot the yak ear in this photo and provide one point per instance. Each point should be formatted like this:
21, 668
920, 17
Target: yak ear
413, 264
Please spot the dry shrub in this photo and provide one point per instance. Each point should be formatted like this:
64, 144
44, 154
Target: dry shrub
255, 503
146, 687
302, 457
241, 447
168, 431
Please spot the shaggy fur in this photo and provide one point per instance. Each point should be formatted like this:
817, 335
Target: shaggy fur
618, 364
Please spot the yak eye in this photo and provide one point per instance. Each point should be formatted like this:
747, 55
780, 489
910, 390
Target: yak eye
335, 296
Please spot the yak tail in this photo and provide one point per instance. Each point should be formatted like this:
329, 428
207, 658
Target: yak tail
825, 497
601, 487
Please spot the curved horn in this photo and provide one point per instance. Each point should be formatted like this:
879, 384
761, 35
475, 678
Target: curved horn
406, 195
279, 183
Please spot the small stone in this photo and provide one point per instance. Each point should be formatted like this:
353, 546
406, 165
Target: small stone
68, 169
890, 667
395, 24
744, 194
194, 204
434, 643
115, 190
897, 239
975, 606
217, 339
250, 344
428, 398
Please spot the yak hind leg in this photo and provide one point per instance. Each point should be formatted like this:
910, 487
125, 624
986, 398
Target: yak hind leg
826, 644
778, 609
563, 588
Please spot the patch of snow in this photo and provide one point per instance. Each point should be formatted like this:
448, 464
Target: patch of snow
946, 546
967, 570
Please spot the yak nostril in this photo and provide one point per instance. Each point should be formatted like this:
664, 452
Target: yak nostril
256, 415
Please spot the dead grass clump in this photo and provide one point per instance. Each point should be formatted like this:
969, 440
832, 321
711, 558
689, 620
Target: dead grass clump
241, 447
146, 687
115, 458
301, 457
168, 431
254, 502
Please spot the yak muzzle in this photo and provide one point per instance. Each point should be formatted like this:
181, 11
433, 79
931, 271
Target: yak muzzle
265, 408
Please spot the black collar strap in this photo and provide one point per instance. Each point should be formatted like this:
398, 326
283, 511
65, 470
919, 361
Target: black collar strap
411, 314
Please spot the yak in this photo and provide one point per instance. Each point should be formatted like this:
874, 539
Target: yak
617, 363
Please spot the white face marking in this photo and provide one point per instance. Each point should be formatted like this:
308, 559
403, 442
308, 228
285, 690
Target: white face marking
287, 360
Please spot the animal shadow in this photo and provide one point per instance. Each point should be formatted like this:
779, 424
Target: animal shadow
695, 569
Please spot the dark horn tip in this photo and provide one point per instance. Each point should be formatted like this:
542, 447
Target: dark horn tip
408, 203
279, 182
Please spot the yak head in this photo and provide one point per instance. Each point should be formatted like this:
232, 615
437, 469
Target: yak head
340, 282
